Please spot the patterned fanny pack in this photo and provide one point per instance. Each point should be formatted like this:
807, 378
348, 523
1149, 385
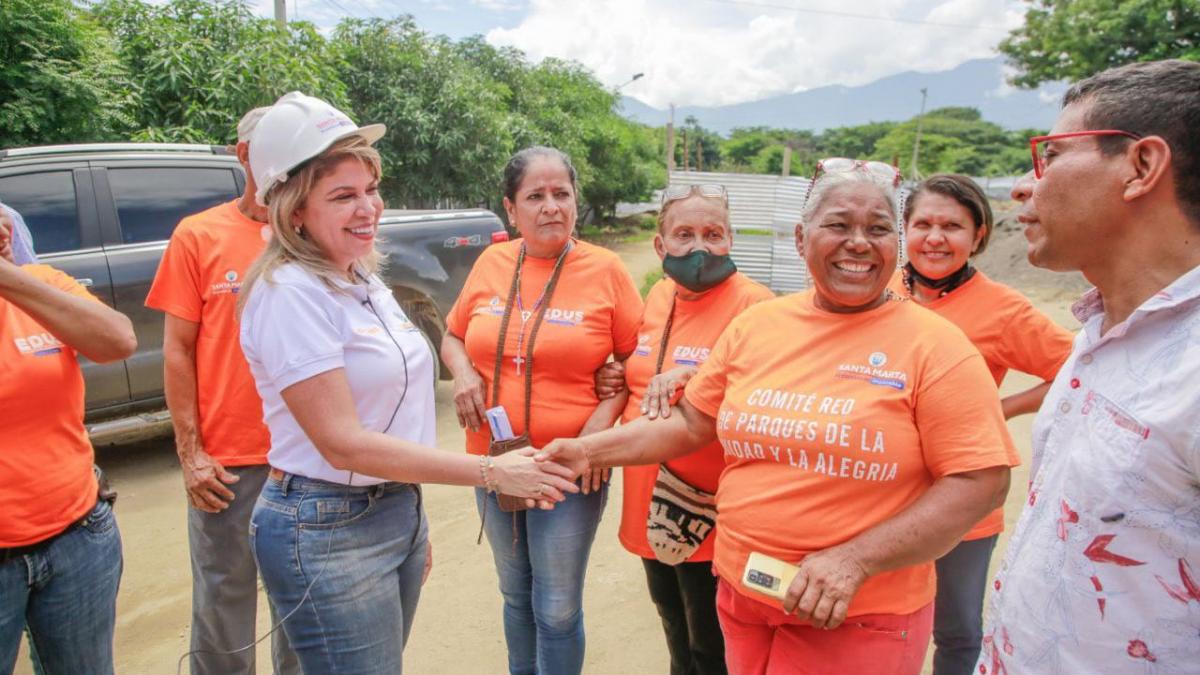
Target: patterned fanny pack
681, 517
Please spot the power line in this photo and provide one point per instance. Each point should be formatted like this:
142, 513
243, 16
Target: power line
339, 6
855, 15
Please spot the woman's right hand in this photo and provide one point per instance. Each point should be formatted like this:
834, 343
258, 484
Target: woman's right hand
660, 392
468, 400
517, 473
610, 380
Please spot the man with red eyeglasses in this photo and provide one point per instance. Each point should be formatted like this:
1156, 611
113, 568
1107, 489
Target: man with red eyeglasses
1103, 570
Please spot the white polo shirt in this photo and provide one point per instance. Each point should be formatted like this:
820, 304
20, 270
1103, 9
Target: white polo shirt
294, 328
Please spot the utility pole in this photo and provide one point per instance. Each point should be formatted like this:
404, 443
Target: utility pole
787, 161
699, 155
281, 14
683, 133
916, 173
671, 144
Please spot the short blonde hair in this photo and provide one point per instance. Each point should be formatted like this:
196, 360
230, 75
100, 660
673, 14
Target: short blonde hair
287, 245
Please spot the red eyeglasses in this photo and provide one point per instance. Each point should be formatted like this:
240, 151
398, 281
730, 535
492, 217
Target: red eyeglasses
1039, 154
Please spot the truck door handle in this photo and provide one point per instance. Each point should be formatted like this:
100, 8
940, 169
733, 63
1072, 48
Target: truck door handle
86, 282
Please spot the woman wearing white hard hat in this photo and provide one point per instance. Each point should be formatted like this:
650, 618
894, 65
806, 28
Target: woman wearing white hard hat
348, 394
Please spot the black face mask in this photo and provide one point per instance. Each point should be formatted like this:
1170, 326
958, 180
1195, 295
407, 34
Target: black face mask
698, 271
945, 285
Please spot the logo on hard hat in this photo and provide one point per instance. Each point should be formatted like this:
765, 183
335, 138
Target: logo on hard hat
334, 122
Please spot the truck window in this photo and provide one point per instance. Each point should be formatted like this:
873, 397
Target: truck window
46, 200
151, 201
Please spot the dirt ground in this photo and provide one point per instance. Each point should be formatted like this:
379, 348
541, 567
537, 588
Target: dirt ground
458, 626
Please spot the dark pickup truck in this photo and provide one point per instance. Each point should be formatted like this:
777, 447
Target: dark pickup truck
103, 213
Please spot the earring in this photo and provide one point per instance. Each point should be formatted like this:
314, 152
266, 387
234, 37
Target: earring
299, 231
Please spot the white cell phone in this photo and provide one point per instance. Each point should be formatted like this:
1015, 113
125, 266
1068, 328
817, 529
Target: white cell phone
497, 419
767, 575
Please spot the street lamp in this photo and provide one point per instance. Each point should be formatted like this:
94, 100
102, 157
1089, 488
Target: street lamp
633, 79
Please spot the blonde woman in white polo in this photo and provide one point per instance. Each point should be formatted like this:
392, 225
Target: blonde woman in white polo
347, 384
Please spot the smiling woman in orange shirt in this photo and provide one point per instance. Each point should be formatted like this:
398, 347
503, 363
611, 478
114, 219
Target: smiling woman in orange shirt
862, 437
60, 550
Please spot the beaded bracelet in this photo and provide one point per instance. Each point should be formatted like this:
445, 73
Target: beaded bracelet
486, 464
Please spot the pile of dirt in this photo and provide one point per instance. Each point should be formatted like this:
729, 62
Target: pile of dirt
1005, 261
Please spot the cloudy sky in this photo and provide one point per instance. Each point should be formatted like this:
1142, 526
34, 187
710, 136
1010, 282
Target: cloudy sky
712, 52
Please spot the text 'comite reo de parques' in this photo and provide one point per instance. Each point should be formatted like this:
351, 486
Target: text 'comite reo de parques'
822, 425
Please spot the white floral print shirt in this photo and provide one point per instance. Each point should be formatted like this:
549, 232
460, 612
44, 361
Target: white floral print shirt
1103, 571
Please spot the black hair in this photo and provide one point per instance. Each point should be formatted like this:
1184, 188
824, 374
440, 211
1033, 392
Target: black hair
1153, 98
518, 164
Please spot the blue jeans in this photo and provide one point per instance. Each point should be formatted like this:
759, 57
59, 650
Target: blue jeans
343, 566
541, 559
958, 609
66, 592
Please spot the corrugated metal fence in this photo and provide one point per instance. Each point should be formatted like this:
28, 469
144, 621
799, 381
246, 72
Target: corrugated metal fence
764, 211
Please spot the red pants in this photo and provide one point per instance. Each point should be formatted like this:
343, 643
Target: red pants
762, 640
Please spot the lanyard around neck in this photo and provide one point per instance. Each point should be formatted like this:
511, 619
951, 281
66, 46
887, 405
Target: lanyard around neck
540, 309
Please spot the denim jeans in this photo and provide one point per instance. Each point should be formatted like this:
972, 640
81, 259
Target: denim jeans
962, 576
343, 567
541, 559
66, 592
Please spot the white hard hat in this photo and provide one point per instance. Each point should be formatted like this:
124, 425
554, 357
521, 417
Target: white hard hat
294, 130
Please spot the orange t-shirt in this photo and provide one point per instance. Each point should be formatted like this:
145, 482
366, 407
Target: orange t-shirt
594, 313
833, 423
696, 326
1010, 333
46, 479
198, 280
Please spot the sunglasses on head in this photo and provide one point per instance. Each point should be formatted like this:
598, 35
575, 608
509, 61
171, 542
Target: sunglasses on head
1037, 144
711, 190
880, 170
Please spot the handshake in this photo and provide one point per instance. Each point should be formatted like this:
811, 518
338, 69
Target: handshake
545, 477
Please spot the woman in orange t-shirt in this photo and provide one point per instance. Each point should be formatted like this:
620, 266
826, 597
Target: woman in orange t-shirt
535, 320
684, 315
60, 550
862, 438
947, 222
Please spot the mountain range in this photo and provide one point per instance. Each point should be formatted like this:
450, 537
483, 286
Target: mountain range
978, 84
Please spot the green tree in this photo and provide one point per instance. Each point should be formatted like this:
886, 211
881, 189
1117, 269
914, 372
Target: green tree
855, 142
449, 133
622, 165
561, 104
957, 140
745, 143
60, 80
702, 144
197, 65
1072, 39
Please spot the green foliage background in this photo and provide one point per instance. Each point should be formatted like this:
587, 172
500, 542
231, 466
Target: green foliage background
1072, 39
186, 70
75, 71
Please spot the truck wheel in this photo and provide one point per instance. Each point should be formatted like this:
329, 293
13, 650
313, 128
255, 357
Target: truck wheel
421, 311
